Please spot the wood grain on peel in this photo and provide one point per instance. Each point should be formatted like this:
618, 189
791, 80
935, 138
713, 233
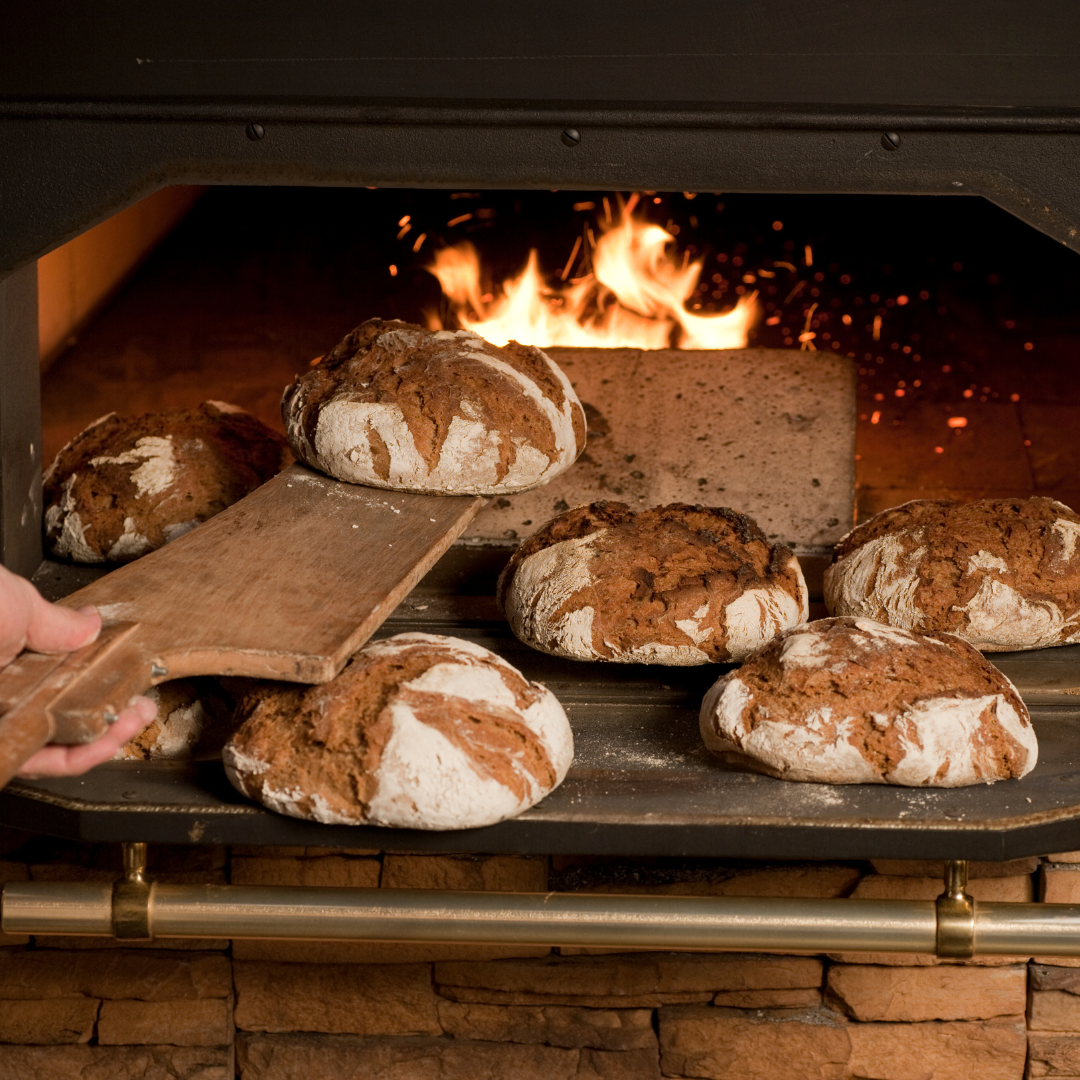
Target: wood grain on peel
847, 700
128, 485
394, 405
419, 730
672, 584
1002, 574
286, 584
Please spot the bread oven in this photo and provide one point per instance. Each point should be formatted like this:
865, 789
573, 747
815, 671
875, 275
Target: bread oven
752, 100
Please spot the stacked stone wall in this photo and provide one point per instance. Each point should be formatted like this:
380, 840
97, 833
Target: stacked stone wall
298, 1010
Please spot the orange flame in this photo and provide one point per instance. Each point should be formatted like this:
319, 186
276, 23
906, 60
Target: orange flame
633, 298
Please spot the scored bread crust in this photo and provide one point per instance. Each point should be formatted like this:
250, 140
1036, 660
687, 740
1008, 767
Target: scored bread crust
851, 701
678, 585
439, 412
126, 486
1002, 574
419, 731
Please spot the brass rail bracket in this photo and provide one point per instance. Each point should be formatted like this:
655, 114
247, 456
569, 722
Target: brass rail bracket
955, 915
131, 897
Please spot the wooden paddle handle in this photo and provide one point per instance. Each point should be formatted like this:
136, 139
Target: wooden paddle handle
40, 699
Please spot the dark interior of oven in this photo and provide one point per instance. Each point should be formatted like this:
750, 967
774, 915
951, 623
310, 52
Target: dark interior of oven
978, 312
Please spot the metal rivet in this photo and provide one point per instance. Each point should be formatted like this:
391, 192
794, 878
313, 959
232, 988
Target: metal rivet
890, 140
254, 132
571, 137
158, 672
111, 717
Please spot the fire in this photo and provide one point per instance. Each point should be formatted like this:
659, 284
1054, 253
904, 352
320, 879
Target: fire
633, 297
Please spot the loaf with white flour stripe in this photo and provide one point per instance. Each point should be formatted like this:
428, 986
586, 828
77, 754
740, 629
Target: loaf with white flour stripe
127, 485
677, 585
419, 731
440, 412
1002, 574
851, 701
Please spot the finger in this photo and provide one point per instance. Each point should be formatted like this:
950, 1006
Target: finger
75, 760
54, 629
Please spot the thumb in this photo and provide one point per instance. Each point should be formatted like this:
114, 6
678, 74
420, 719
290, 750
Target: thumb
54, 629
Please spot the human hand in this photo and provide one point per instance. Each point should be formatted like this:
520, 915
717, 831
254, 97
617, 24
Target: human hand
27, 621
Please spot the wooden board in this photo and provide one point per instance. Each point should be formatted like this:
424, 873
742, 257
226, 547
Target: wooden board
286, 584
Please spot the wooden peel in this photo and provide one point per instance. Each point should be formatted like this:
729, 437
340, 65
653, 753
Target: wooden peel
286, 584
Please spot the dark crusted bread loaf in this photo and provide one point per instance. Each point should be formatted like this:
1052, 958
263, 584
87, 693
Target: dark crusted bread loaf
1000, 573
419, 731
129, 484
672, 584
851, 701
443, 412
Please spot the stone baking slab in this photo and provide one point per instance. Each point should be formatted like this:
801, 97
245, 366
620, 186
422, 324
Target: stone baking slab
768, 432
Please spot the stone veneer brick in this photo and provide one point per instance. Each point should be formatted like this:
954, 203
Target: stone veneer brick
335, 998
330, 871
733, 1044
1054, 1054
554, 1025
927, 993
48, 1022
484, 873
117, 1063
345, 1057
207, 1022
147, 976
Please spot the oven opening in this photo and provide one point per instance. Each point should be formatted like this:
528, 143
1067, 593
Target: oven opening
959, 320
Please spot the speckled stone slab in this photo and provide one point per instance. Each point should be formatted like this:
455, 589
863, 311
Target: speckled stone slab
768, 432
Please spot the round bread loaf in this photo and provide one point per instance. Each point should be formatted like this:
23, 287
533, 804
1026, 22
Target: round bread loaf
1000, 573
441, 412
676, 584
192, 717
129, 484
419, 731
851, 701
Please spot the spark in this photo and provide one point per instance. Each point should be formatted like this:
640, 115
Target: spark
573, 255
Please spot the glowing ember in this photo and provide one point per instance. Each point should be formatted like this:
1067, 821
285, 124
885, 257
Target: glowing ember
633, 297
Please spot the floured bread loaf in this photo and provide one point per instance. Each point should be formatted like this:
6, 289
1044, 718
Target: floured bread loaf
129, 484
1000, 573
419, 731
442, 412
193, 717
674, 584
851, 701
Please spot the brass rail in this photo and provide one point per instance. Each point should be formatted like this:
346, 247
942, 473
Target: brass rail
953, 926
